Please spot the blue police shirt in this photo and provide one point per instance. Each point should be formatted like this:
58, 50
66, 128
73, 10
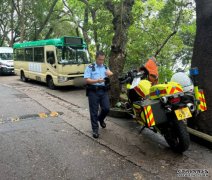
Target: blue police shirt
98, 73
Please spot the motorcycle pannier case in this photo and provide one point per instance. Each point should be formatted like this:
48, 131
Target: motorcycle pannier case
161, 90
143, 88
152, 112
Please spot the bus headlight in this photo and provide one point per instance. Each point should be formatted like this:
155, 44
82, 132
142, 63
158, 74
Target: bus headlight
62, 79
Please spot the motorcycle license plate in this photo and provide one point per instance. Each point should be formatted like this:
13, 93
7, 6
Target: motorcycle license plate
183, 113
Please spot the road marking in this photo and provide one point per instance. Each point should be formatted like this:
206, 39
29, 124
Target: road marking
20, 118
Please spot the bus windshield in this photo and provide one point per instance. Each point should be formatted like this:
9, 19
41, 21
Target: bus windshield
67, 55
6, 56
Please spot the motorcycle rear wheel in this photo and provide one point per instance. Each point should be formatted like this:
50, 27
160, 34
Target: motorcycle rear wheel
176, 135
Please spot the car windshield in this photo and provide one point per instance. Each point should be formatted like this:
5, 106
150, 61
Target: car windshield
67, 55
6, 56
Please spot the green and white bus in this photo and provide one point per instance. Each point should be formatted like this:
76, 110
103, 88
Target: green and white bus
57, 62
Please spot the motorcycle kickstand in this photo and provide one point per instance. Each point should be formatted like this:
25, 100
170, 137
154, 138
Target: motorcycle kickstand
141, 129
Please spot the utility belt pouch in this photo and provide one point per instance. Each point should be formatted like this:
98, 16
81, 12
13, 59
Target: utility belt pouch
107, 83
87, 90
90, 88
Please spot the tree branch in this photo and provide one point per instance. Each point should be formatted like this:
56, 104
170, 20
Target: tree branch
64, 2
47, 17
110, 6
93, 15
164, 43
176, 25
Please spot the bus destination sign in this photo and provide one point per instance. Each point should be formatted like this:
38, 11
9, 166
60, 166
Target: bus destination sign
73, 41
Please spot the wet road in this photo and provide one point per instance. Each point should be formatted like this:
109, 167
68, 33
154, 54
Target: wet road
147, 152
49, 148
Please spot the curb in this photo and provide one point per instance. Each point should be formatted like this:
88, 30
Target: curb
119, 113
200, 134
200, 137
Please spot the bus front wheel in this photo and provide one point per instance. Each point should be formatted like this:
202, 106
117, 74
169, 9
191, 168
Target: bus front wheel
50, 83
23, 78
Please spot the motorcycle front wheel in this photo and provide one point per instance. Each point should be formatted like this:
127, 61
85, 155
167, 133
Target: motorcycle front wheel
176, 135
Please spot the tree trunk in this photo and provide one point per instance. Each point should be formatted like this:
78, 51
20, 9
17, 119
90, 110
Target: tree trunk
85, 26
51, 29
11, 22
2, 41
93, 15
121, 23
22, 21
202, 58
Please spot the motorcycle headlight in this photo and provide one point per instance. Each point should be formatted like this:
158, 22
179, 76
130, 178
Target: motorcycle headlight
62, 79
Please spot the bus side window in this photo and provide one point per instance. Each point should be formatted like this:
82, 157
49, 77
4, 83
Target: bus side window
29, 54
39, 54
50, 57
19, 55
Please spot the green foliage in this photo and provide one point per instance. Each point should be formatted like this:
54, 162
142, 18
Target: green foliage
5, 10
165, 74
154, 21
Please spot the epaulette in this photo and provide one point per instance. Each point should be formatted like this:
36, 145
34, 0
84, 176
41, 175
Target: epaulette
92, 66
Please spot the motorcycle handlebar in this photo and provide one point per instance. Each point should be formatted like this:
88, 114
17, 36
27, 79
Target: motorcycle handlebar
131, 75
140, 74
125, 80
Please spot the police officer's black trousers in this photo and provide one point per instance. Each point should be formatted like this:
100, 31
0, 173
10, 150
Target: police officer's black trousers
98, 98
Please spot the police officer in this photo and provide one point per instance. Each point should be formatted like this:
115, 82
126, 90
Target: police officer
97, 92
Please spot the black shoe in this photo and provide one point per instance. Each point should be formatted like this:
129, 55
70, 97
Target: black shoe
95, 135
103, 124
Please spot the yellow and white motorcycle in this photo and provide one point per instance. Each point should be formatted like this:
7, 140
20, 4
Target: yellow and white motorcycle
163, 108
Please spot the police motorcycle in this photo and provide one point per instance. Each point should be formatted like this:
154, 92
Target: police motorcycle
163, 108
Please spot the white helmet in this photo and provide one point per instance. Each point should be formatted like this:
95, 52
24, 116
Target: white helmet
183, 79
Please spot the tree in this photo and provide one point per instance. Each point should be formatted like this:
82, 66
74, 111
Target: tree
202, 58
5, 12
37, 19
155, 22
95, 24
43, 24
122, 20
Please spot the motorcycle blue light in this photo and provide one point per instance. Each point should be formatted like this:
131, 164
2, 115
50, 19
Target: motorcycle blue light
194, 71
157, 92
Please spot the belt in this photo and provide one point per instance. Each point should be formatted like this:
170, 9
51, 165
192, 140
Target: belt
96, 88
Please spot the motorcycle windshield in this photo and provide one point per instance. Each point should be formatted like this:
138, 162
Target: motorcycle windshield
135, 82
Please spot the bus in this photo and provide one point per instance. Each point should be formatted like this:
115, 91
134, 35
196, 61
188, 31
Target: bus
56, 62
6, 60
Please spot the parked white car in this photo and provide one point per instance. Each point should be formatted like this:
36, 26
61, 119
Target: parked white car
6, 60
